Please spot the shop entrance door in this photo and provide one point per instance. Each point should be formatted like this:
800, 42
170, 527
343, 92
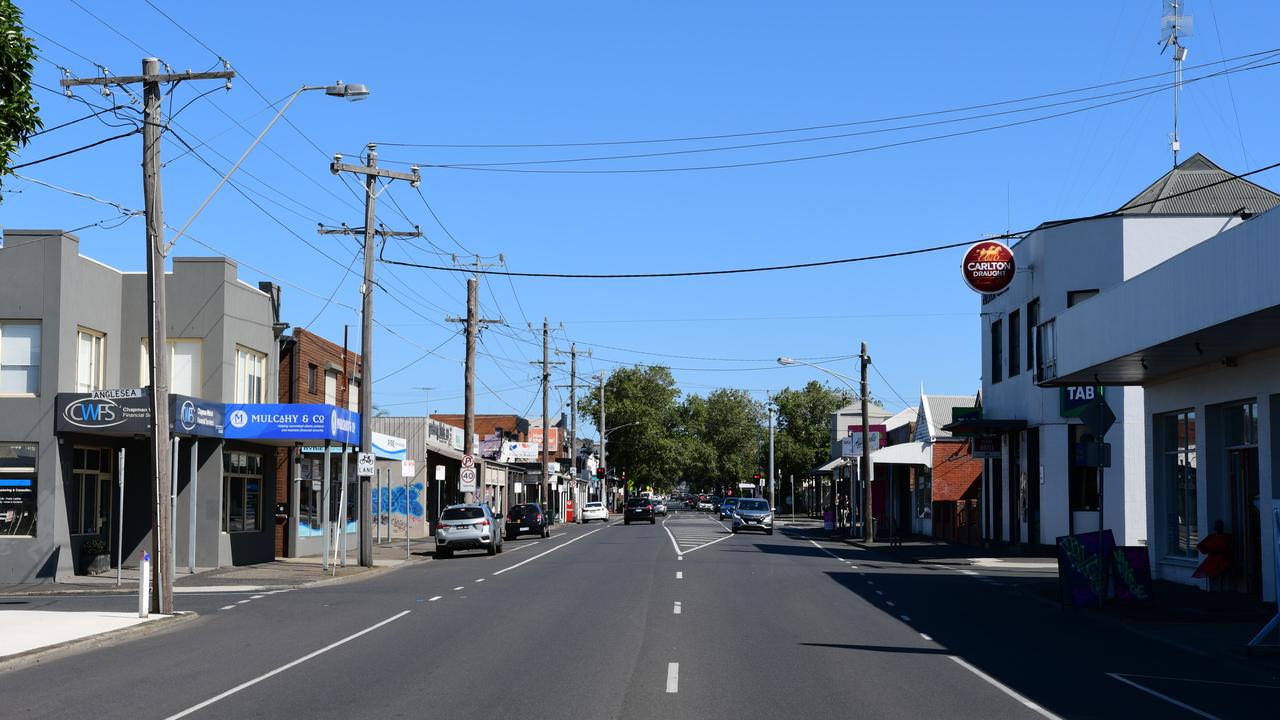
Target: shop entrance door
1242, 479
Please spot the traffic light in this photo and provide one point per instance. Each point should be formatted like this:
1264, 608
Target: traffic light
599, 473
756, 476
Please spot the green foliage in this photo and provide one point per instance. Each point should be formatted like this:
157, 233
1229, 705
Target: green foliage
802, 440
19, 116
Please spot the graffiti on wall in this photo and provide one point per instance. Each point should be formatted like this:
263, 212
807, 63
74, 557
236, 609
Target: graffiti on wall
392, 505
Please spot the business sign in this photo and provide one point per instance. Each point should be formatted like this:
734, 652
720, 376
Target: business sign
490, 447
196, 417
389, 447
292, 422
553, 437
851, 446
126, 414
988, 267
985, 447
444, 435
520, 452
1073, 399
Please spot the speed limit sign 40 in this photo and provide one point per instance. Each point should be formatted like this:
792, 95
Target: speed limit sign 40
467, 480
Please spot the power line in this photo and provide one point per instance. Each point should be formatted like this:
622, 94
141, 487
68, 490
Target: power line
841, 261
76, 150
424, 356
78, 120
894, 118
112, 29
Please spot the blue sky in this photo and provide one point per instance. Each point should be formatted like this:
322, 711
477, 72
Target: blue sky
511, 73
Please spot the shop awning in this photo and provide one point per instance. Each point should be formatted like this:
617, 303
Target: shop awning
984, 426
830, 467
445, 451
911, 453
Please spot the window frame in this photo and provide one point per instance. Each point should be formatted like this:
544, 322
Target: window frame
98, 344
249, 360
997, 350
80, 476
1183, 455
1033, 321
196, 364
312, 371
1075, 297
233, 478
38, 355
1015, 343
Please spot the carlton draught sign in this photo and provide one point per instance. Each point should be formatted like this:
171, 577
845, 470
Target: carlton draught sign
988, 267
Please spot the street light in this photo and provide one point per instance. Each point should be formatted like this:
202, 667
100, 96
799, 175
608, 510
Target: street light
353, 92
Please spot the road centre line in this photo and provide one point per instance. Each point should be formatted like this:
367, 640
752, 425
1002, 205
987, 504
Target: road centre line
676, 609
457, 588
1162, 696
434, 598
547, 552
241, 602
257, 597
679, 575
673, 677
480, 580
227, 607
1005, 688
905, 619
286, 666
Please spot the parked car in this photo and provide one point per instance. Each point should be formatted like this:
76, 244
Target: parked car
594, 511
753, 514
471, 526
638, 508
527, 519
660, 507
726, 507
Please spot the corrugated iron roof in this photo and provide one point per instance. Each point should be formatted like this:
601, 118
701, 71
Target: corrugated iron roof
1231, 195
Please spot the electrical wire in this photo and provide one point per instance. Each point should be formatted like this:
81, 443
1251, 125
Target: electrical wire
75, 150
77, 120
424, 356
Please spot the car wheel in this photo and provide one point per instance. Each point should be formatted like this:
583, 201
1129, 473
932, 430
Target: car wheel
442, 553
499, 547
733, 531
626, 522
652, 520
493, 548
768, 532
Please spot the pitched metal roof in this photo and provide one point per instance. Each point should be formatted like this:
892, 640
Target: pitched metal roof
937, 413
1226, 198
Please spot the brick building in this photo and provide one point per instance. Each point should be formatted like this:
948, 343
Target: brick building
312, 370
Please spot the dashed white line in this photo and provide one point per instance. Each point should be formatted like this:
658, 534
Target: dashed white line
673, 677
1162, 696
879, 592
457, 588
676, 609
889, 603
434, 598
241, 602
926, 637
679, 557
906, 619
679, 575
227, 607
286, 666
1007, 690
480, 580
257, 597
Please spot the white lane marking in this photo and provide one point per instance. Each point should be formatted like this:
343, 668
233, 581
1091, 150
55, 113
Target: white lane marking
227, 607
241, 602
1162, 696
257, 597
679, 557
879, 592
525, 545
1004, 688
673, 677
926, 637
1198, 680
906, 619
826, 551
547, 552
676, 608
434, 598
679, 575
889, 603
457, 588
480, 580
286, 666
674, 544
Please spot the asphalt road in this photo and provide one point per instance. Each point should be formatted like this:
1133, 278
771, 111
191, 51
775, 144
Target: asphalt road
674, 620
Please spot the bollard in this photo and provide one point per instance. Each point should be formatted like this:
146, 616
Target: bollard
144, 585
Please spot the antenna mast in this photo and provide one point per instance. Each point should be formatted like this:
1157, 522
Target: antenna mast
1174, 26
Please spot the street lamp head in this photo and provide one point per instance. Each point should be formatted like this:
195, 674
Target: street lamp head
353, 92
786, 361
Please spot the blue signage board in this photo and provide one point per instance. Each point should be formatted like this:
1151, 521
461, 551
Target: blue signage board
195, 417
291, 422
1073, 399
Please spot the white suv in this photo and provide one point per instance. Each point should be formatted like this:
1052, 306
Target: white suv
468, 527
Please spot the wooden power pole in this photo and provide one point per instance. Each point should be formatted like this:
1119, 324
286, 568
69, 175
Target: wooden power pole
473, 321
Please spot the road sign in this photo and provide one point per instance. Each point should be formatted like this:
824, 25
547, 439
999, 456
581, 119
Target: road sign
1097, 416
315, 486
364, 465
468, 461
408, 468
467, 480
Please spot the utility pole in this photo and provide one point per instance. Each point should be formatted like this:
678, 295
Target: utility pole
604, 481
868, 533
473, 321
546, 429
371, 172
158, 370
772, 409
573, 403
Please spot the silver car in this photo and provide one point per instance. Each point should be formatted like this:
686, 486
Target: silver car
468, 527
753, 514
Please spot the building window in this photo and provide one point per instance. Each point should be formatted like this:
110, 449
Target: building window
184, 365
1240, 422
1082, 482
251, 375
1033, 319
90, 345
353, 395
19, 358
997, 350
1075, 297
18, 489
1015, 342
312, 371
330, 387
91, 475
924, 493
241, 491
1176, 458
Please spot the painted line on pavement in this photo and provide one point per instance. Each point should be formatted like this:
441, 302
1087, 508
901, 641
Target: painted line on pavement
257, 597
1162, 696
1004, 688
480, 580
673, 677
547, 552
676, 609
679, 557
521, 547
905, 619
826, 551
227, 607
1199, 680
434, 598
879, 592
241, 602
926, 637
679, 575
889, 602
286, 666
457, 588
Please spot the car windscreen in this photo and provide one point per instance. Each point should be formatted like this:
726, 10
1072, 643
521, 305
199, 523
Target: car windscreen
753, 505
637, 502
523, 510
462, 513
593, 506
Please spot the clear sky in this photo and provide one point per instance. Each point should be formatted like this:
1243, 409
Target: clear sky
520, 73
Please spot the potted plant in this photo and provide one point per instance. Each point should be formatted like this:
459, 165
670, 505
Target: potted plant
94, 556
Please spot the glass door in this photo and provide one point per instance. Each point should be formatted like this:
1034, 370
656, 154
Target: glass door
1242, 479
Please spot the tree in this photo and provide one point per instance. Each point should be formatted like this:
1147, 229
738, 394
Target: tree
802, 440
644, 399
19, 112
733, 433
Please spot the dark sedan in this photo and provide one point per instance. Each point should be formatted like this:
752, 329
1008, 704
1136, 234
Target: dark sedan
638, 509
526, 519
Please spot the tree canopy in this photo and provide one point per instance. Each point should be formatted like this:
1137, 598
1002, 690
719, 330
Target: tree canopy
19, 112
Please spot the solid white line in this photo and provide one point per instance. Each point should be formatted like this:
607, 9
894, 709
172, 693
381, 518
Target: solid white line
679, 575
228, 607
674, 544
673, 677
286, 666
1198, 680
1162, 696
547, 552
434, 598
1004, 688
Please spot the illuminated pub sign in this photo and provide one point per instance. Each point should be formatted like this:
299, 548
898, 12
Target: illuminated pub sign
988, 267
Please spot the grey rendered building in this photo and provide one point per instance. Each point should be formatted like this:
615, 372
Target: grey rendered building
70, 327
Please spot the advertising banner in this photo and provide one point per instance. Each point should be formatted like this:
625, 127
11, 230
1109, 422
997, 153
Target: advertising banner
553, 438
196, 417
389, 447
443, 435
104, 412
292, 422
851, 446
520, 452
